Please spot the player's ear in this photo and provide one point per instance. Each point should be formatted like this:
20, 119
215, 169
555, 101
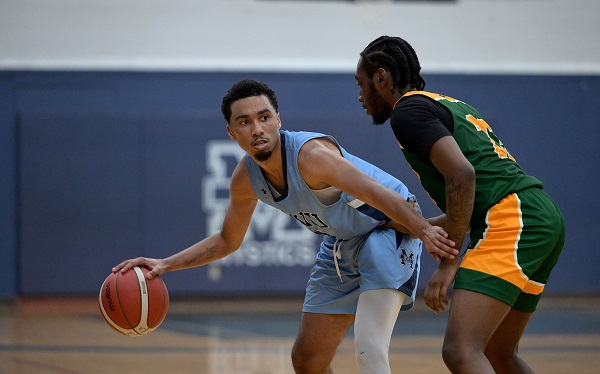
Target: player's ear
230, 133
278, 120
381, 76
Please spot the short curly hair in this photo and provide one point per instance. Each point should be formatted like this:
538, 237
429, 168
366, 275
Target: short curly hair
243, 89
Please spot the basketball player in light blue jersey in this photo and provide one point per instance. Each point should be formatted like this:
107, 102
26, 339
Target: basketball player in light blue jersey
368, 263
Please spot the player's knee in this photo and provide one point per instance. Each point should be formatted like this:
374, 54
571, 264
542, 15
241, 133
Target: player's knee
372, 354
306, 362
448, 351
500, 359
298, 358
453, 355
494, 354
458, 357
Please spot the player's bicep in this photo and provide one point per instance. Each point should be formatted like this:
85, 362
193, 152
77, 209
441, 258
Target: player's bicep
448, 158
322, 164
241, 207
236, 222
337, 171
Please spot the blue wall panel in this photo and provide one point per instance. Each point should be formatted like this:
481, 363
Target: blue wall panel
80, 205
114, 165
8, 189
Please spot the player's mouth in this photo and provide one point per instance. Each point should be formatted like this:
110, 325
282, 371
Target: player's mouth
260, 144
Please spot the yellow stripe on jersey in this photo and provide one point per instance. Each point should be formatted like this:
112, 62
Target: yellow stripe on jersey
496, 253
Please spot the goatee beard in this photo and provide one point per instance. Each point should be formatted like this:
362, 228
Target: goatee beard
379, 119
263, 156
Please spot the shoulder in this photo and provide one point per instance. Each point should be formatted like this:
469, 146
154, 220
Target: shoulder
418, 121
315, 148
297, 139
317, 159
416, 107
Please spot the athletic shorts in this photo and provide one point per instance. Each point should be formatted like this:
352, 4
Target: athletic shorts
512, 253
384, 258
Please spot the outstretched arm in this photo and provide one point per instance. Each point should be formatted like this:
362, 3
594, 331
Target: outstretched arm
236, 222
433, 221
335, 170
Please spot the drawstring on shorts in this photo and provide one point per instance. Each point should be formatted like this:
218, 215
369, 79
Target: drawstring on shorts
337, 255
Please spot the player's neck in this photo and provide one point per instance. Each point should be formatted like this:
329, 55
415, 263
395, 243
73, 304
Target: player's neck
272, 169
275, 177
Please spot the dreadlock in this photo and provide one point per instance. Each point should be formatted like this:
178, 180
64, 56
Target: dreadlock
243, 89
396, 55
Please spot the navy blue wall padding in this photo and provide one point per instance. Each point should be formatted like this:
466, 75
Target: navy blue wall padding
8, 190
98, 167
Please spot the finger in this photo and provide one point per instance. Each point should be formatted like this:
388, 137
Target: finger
439, 252
435, 256
451, 244
155, 271
442, 249
439, 305
427, 298
443, 297
120, 266
447, 246
443, 238
430, 299
129, 264
437, 299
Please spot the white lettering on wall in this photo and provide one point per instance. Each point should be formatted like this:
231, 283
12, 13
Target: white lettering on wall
273, 238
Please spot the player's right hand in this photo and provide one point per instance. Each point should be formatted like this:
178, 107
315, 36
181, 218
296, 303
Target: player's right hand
156, 266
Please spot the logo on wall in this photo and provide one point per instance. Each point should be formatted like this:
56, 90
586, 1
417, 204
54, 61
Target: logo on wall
273, 238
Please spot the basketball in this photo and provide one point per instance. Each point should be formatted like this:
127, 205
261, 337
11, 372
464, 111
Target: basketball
132, 304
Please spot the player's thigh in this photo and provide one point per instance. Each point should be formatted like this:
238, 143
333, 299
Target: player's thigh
473, 319
507, 336
321, 333
514, 249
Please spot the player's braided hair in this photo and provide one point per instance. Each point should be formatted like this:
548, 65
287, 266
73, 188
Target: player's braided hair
397, 56
243, 89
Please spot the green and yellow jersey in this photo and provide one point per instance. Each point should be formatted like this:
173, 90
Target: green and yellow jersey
497, 173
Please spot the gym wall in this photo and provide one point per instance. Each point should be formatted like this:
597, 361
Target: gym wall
112, 143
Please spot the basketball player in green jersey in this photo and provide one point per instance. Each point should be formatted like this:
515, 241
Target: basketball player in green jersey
516, 230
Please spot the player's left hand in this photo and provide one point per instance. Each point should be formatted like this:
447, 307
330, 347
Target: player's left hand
436, 241
436, 293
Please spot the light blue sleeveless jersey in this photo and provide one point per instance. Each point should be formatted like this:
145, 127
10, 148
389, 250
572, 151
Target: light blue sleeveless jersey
353, 256
345, 219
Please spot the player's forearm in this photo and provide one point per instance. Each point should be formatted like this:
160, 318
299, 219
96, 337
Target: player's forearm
460, 197
438, 221
408, 218
208, 250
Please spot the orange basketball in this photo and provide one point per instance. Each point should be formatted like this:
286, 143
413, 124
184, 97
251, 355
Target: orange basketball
133, 304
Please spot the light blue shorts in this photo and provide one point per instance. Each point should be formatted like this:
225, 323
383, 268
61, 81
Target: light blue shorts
380, 259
